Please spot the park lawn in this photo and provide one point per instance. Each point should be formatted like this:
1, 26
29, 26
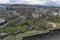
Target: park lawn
13, 29
56, 20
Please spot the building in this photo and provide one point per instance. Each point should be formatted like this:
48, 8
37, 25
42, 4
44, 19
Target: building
36, 14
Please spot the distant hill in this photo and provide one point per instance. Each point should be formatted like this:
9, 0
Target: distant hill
23, 5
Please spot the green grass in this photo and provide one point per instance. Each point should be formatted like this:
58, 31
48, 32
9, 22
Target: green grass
36, 23
28, 33
56, 20
17, 26
22, 28
33, 22
13, 29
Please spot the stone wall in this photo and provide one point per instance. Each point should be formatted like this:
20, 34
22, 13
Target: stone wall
55, 34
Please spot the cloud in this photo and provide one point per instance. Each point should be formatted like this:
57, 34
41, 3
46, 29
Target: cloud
55, 2
27, 2
4, 1
35, 2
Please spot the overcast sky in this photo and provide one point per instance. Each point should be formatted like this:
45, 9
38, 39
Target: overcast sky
34, 2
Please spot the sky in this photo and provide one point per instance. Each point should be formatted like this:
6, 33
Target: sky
31, 2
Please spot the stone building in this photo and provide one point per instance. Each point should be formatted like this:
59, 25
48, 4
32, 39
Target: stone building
36, 14
24, 12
